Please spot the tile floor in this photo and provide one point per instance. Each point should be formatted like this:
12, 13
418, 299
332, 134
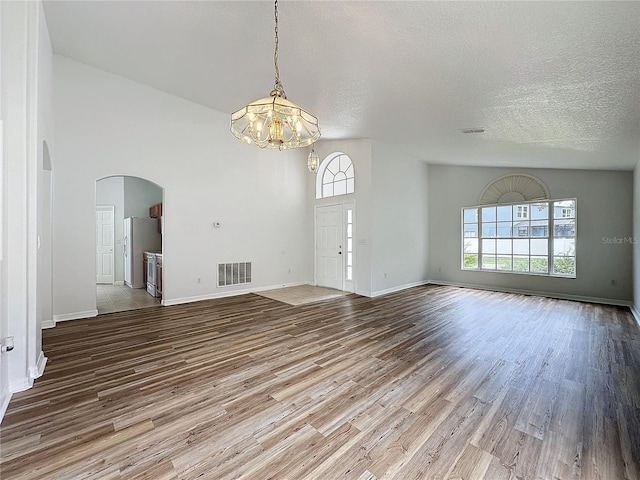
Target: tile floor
116, 298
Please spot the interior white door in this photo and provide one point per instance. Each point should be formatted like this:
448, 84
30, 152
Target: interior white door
105, 240
329, 237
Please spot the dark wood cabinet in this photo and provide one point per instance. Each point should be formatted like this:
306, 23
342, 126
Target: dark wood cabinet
155, 211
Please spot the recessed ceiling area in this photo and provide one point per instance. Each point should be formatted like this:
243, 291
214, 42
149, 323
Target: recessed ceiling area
553, 84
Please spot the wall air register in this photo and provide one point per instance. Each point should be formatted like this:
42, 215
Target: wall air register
234, 273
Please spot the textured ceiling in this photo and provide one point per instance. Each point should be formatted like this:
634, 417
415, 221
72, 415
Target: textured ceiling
555, 84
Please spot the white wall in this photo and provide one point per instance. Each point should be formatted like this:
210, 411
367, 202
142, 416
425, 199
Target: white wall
110, 191
45, 178
25, 111
359, 150
139, 195
400, 219
636, 242
604, 211
259, 197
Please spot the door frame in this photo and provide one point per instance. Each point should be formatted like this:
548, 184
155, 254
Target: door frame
347, 285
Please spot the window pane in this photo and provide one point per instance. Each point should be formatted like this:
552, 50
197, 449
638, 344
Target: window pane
470, 260
334, 166
470, 245
539, 211
340, 187
489, 262
349, 171
504, 229
564, 209
539, 246
540, 264
521, 229
349, 216
327, 190
349, 273
564, 247
504, 213
520, 264
520, 212
504, 262
470, 215
539, 228
471, 230
349, 230
350, 185
564, 265
349, 258
564, 228
521, 247
489, 214
488, 246
489, 230
350, 244
504, 247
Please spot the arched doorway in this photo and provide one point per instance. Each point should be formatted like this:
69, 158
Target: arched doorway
125, 230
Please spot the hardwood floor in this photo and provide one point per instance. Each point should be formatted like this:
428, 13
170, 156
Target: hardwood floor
428, 383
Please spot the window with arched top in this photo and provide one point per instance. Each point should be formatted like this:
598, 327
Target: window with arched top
335, 176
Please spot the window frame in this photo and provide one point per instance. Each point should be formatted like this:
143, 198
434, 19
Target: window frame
489, 234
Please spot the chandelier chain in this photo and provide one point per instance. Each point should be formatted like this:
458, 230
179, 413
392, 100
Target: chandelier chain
278, 88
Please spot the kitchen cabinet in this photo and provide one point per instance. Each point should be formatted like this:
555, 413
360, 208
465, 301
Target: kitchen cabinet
155, 211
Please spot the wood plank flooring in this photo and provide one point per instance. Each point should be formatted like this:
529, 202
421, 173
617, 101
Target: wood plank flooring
428, 383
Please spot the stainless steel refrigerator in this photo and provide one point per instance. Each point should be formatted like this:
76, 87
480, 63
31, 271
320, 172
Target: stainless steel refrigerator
140, 235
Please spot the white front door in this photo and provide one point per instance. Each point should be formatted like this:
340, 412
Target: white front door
329, 243
104, 243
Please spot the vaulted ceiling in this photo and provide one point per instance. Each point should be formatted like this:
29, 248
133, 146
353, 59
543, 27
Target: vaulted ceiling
554, 84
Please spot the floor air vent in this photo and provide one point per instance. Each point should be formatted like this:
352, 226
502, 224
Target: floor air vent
234, 273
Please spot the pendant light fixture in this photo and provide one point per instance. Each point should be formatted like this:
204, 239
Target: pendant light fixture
274, 121
312, 160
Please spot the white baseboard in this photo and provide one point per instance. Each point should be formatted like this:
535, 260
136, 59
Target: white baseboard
48, 323
38, 369
560, 296
74, 316
232, 293
20, 385
636, 313
119, 282
386, 291
4, 404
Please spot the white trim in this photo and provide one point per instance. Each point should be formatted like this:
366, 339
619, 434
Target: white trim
386, 291
560, 296
74, 316
50, 323
118, 282
38, 370
363, 293
234, 293
636, 313
4, 404
20, 385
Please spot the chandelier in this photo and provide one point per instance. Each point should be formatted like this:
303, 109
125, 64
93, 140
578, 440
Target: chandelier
274, 121
312, 161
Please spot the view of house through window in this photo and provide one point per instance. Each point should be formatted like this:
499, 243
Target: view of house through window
537, 238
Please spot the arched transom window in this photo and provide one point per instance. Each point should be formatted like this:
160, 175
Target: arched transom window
335, 176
